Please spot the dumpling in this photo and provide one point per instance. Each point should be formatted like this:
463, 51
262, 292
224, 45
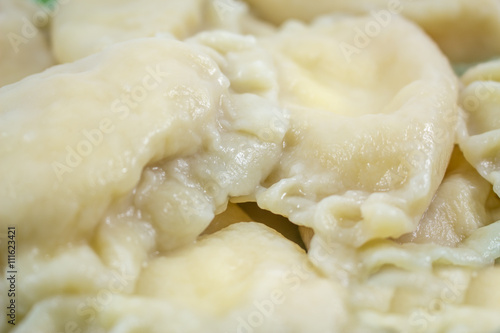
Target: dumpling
243, 277
75, 150
371, 131
83, 27
434, 279
441, 299
24, 45
237, 271
479, 135
463, 203
466, 31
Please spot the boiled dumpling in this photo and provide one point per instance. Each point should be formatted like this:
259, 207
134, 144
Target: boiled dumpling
243, 277
479, 135
83, 27
371, 133
466, 31
80, 145
24, 44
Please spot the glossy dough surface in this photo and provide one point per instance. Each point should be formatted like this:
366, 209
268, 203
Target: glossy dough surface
132, 105
364, 161
135, 173
479, 136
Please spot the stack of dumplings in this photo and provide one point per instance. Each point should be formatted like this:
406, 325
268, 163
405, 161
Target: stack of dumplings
259, 166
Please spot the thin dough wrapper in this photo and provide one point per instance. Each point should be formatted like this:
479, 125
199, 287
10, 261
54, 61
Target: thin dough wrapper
451, 231
83, 27
466, 31
480, 249
463, 202
24, 48
370, 140
132, 105
457, 229
436, 285
479, 135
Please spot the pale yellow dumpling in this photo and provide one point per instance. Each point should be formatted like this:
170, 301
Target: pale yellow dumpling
479, 135
154, 103
245, 276
463, 203
466, 31
371, 133
83, 27
24, 43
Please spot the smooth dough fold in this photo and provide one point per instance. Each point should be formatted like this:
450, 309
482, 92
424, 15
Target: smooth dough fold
479, 134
